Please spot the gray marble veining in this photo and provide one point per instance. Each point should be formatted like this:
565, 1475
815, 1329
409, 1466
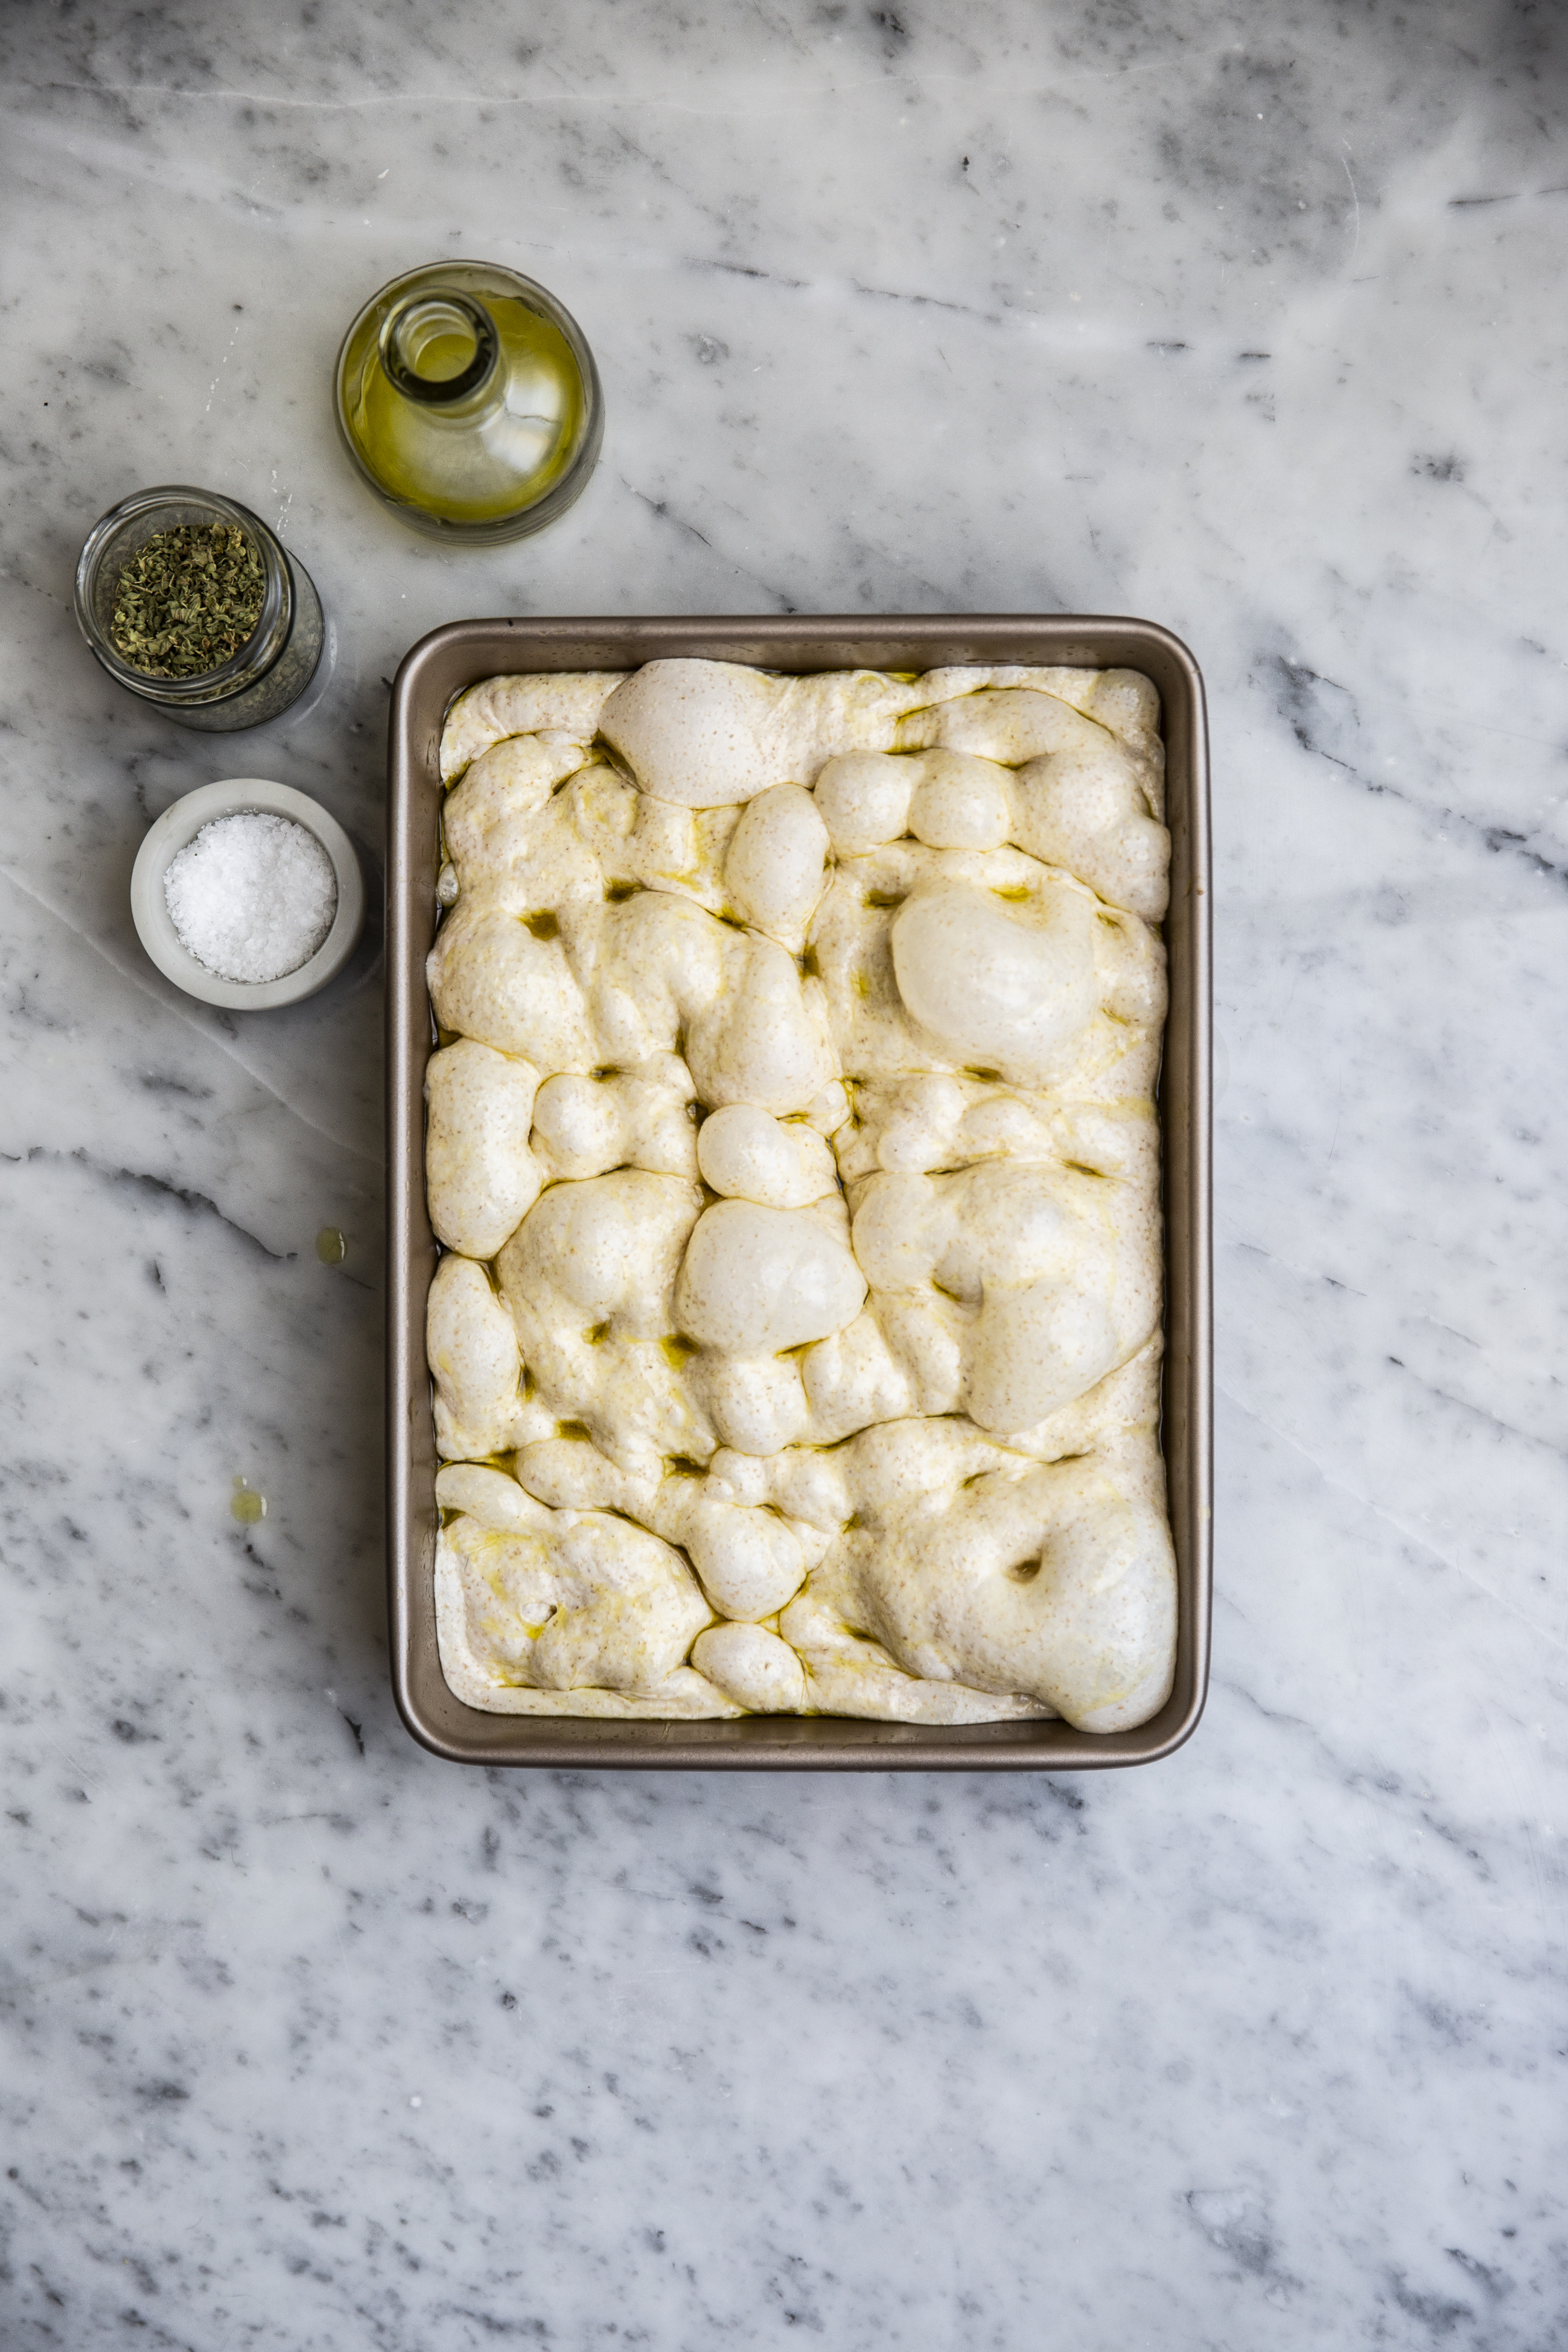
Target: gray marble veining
1245, 320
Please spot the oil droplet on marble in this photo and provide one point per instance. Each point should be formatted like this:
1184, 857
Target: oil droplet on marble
331, 1247
245, 1504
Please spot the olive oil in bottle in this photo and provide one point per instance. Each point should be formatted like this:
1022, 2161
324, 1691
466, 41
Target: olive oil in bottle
470, 400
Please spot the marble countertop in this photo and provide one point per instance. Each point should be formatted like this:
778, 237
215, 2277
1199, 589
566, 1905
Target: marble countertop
1246, 321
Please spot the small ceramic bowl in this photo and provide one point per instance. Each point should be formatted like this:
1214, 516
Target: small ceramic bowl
181, 823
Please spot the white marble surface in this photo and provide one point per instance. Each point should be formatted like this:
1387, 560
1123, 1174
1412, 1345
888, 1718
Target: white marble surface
314, 2042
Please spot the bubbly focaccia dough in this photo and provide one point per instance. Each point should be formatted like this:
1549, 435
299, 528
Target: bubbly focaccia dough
792, 1139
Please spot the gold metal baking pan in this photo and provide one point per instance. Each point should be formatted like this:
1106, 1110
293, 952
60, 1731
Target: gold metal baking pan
440, 667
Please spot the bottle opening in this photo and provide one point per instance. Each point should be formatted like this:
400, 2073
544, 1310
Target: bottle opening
439, 347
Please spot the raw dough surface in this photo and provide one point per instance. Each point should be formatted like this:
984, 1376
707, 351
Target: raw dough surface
792, 1140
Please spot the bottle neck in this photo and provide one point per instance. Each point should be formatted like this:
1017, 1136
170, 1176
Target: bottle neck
441, 350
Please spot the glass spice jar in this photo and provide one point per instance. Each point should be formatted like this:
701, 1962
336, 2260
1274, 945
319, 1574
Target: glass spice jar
269, 671
470, 400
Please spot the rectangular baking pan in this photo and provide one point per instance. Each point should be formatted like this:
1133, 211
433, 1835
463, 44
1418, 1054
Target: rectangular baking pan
440, 667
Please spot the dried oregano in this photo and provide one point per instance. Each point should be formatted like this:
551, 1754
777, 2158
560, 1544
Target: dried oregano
187, 599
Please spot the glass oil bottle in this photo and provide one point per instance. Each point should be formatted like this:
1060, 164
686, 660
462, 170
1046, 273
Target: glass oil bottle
470, 400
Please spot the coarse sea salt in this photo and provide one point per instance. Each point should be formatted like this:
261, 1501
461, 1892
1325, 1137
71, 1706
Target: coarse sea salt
252, 897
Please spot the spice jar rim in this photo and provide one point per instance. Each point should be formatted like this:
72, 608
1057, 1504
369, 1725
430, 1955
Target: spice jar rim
260, 650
